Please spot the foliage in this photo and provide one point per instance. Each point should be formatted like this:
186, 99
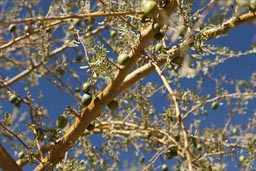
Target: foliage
63, 60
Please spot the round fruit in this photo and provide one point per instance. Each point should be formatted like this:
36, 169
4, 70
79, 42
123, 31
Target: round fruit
62, 121
241, 158
77, 22
13, 98
123, 59
12, 28
142, 159
17, 102
156, 27
158, 47
164, 167
89, 28
214, 105
252, 6
199, 146
113, 33
234, 131
79, 58
77, 89
27, 29
173, 151
91, 126
150, 8
86, 87
168, 155
159, 35
86, 99
21, 155
113, 105
181, 30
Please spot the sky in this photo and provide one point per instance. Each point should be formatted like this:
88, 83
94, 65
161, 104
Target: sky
239, 38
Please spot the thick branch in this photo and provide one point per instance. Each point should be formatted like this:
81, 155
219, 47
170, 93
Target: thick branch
6, 161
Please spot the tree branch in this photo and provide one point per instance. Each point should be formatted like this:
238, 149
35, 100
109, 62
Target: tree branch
6, 161
101, 100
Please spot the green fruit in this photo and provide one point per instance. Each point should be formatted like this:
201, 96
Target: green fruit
214, 106
21, 155
168, 155
91, 126
89, 28
86, 87
142, 159
158, 47
113, 105
159, 35
86, 99
123, 59
181, 30
156, 27
77, 89
13, 98
234, 131
252, 6
17, 102
79, 58
241, 158
150, 8
113, 33
12, 28
242, 3
199, 146
173, 151
164, 167
144, 18
77, 22
62, 121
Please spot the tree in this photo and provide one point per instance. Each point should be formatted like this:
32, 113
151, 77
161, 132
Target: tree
85, 82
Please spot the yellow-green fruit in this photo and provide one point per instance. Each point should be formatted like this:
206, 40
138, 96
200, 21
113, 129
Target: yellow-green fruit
62, 121
168, 155
86, 99
159, 35
164, 167
214, 106
150, 8
142, 159
21, 155
156, 27
123, 59
252, 6
77, 89
113, 33
12, 28
241, 158
13, 98
86, 87
158, 47
113, 105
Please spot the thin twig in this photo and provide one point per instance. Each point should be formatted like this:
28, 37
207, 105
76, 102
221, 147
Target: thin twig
178, 114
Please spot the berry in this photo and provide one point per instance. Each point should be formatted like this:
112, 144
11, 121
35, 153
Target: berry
123, 59
86, 87
113, 105
62, 121
86, 99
